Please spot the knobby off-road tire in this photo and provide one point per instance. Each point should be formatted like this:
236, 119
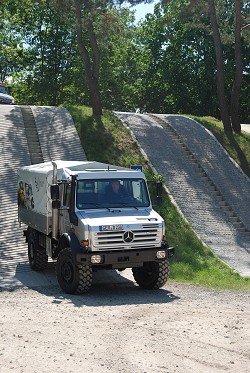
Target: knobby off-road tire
73, 278
38, 258
153, 275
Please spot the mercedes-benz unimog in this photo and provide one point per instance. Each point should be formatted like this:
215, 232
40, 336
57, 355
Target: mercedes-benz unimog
88, 216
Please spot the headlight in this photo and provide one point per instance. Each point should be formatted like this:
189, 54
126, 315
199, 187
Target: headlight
96, 259
161, 254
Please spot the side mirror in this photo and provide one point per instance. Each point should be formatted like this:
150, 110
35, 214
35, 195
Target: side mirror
54, 192
158, 192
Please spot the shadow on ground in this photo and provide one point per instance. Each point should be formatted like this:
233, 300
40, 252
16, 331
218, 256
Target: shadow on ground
110, 288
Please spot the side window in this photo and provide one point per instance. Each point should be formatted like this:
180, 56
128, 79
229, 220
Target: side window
66, 195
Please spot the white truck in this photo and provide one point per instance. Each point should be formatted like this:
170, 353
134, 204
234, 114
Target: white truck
89, 216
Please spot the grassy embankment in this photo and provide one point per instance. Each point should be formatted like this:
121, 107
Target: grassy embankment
237, 146
107, 141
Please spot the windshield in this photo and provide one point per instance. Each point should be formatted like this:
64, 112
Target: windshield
111, 193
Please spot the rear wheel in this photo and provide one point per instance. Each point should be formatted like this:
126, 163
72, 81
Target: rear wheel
38, 258
153, 275
73, 278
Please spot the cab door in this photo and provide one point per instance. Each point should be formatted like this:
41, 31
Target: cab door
64, 223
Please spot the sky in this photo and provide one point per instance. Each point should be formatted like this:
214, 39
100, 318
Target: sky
142, 10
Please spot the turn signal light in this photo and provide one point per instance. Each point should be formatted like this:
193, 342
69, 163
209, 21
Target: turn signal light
85, 243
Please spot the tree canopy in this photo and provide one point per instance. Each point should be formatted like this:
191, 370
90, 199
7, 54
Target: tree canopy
186, 57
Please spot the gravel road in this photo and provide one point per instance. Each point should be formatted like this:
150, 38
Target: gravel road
118, 327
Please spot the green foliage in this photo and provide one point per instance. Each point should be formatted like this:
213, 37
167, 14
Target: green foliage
11, 56
168, 67
46, 73
158, 177
107, 140
119, 67
180, 74
164, 64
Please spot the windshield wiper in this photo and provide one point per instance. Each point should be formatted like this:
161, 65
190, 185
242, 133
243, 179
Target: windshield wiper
122, 204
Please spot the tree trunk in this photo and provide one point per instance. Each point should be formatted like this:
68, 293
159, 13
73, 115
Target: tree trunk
220, 68
91, 70
235, 96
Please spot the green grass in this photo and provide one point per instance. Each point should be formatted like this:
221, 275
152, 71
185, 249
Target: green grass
107, 140
237, 146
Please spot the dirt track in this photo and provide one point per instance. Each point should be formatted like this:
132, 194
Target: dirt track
118, 327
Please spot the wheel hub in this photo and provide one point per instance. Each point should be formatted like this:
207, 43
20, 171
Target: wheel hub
67, 271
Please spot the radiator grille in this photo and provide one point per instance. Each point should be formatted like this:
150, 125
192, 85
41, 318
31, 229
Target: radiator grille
145, 237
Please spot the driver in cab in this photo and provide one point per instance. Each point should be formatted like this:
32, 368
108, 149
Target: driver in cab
115, 191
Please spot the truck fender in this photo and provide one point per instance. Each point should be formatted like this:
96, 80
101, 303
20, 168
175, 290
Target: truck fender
69, 240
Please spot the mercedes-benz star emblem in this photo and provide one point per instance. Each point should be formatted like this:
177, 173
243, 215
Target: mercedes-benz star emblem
128, 236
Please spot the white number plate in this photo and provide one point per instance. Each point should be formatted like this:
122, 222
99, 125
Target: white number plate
117, 227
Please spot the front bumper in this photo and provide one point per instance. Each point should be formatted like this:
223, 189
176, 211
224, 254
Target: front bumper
119, 259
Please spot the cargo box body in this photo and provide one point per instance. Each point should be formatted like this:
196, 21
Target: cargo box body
35, 205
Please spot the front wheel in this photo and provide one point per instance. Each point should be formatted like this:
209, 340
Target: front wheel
73, 278
153, 275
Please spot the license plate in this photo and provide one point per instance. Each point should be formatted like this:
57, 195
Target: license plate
116, 227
